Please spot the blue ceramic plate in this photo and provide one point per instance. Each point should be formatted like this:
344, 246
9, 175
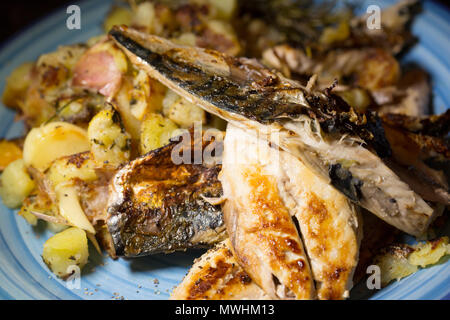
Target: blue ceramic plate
23, 275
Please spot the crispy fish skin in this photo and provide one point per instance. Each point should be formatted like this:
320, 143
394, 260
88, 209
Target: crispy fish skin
217, 275
262, 232
157, 206
343, 146
329, 224
242, 89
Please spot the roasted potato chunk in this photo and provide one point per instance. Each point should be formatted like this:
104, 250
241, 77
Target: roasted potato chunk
224, 9
156, 131
181, 111
430, 252
10, 152
65, 250
117, 16
17, 84
394, 265
15, 184
110, 143
57, 139
399, 261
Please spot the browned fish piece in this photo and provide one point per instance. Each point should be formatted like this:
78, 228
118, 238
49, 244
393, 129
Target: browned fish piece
343, 146
156, 205
269, 192
217, 275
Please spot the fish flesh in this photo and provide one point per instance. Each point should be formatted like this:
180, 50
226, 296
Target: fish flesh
269, 193
344, 147
155, 205
217, 275
262, 232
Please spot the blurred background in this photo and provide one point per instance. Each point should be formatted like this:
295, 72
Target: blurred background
18, 14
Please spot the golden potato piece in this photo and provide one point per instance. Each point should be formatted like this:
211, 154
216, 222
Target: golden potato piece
78, 166
224, 9
57, 139
109, 142
393, 263
117, 16
65, 250
430, 252
15, 184
156, 131
181, 111
9, 152
17, 84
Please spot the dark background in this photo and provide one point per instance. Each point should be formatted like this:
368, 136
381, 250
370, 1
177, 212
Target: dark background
18, 14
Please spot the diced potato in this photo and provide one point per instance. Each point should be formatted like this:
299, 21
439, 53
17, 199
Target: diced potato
109, 142
430, 252
220, 36
156, 132
144, 17
331, 35
36, 108
142, 94
9, 152
15, 184
117, 16
181, 111
123, 105
157, 94
66, 56
169, 99
65, 169
65, 249
394, 264
57, 139
17, 84
399, 261
138, 96
225, 9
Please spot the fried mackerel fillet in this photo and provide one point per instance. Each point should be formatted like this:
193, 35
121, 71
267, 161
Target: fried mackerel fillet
217, 275
346, 148
269, 192
157, 206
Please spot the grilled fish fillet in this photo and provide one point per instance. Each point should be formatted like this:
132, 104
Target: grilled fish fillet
259, 223
216, 275
155, 205
344, 147
264, 188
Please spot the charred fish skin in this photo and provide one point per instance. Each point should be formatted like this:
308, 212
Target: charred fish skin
218, 90
249, 91
157, 206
